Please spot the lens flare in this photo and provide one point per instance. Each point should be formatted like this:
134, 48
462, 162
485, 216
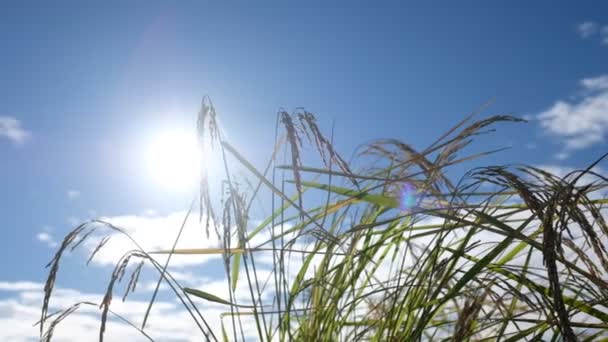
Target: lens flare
407, 197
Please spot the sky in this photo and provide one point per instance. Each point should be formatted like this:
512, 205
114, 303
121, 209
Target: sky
86, 92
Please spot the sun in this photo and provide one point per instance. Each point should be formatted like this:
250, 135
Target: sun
174, 160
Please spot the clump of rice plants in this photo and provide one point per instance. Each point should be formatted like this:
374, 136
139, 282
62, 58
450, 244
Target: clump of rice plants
390, 246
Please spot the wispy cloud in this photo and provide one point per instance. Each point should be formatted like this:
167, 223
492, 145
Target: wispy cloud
20, 286
11, 129
562, 155
587, 29
583, 121
73, 221
73, 194
46, 237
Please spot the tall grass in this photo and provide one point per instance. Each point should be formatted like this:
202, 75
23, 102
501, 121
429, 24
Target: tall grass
388, 247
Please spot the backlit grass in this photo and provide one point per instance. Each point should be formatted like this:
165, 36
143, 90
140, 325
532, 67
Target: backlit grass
391, 246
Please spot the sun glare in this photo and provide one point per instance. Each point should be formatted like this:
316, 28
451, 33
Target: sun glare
173, 160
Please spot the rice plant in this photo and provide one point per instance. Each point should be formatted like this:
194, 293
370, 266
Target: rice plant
389, 246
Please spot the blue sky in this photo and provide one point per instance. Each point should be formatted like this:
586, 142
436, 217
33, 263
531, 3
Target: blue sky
84, 91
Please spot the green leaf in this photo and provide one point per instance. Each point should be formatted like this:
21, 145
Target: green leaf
236, 263
213, 298
224, 333
381, 200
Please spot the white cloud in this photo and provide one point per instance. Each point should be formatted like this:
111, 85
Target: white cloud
158, 233
73, 194
154, 233
168, 320
587, 29
561, 171
597, 83
11, 129
46, 237
581, 122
